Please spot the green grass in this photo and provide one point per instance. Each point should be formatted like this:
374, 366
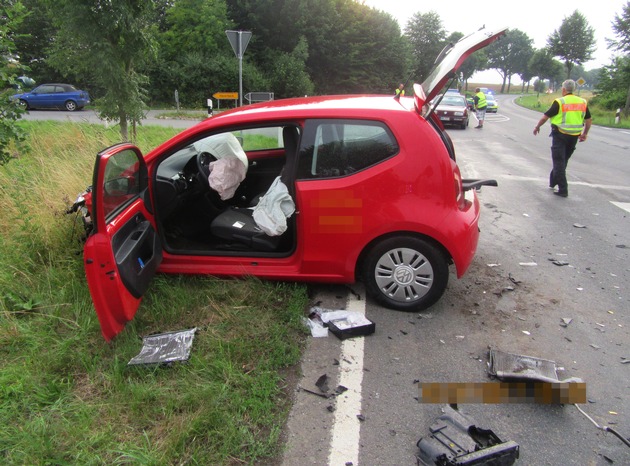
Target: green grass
67, 397
600, 116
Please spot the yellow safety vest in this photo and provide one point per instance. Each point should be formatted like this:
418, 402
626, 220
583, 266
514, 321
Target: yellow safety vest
570, 118
481, 103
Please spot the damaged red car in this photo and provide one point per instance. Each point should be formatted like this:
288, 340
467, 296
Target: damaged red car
331, 189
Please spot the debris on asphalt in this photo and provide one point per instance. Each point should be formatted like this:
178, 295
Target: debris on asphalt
513, 280
348, 324
455, 440
558, 262
625, 360
526, 332
566, 321
361, 417
579, 225
165, 348
493, 265
593, 345
515, 366
528, 264
322, 383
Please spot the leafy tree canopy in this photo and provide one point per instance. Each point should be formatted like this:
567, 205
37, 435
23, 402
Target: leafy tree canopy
510, 54
11, 14
427, 37
573, 41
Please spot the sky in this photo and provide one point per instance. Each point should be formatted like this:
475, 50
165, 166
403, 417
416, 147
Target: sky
536, 18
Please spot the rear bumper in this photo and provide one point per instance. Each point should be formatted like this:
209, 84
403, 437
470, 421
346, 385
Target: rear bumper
465, 234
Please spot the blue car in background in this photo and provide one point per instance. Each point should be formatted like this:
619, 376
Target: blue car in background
61, 96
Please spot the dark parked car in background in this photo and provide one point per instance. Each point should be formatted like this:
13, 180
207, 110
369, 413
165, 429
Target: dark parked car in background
60, 96
453, 110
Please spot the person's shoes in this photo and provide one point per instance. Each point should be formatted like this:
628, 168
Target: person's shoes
561, 194
478, 127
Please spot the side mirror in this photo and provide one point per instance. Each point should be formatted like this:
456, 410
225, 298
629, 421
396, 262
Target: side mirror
118, 187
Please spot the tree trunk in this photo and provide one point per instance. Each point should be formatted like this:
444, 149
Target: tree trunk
626, 109
124, 129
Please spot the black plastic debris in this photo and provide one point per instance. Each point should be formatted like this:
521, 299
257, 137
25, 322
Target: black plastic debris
165, 348
347, 324
455, 440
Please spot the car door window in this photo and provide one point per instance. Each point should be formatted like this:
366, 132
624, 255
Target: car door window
121, 181
334, 148
45, 89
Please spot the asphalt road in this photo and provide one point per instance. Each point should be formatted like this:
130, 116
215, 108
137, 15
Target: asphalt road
89, 116
504, 301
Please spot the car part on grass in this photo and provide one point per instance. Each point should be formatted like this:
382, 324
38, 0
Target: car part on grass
455, 440
165, 348
514, 366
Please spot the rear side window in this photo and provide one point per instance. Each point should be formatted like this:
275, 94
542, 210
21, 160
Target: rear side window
333, 148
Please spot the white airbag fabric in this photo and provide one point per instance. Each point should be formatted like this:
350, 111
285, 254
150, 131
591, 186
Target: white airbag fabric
273, 209
226, 175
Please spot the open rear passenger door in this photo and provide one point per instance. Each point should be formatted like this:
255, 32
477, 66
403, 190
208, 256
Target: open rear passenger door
123, 251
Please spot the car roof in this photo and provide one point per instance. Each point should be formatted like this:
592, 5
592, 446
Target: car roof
361, 106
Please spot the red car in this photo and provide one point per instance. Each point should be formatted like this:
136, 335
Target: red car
329, 189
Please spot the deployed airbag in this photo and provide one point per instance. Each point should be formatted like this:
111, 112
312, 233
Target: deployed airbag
273, 209
226, 175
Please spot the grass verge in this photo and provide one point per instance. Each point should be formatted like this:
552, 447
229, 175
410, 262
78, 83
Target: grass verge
67, 397
601, 117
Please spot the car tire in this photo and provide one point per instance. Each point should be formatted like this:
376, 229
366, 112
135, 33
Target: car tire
406, 273
70, 105
24, 104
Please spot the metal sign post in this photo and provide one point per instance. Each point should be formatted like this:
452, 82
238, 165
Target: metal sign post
239, 41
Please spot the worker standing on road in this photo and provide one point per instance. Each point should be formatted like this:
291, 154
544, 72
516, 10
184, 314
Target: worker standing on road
480, 107
570, 123
400, 91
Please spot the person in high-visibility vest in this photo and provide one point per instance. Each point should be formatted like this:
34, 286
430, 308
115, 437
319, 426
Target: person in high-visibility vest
400, 91
481, 105
570, 123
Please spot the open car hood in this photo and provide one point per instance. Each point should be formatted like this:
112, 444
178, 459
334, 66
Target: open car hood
450, 60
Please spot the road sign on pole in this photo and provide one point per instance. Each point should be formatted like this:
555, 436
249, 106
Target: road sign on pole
225, 95
239, 41
259, 96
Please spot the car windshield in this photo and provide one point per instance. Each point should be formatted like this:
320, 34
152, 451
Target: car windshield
453, 101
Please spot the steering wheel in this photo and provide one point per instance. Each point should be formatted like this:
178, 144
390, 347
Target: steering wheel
203, 165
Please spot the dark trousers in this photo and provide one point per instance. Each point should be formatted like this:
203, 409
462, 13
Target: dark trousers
562, 148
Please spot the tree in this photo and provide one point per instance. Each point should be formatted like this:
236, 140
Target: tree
573, 42
33, 41
478, 61
109, 41
427, 37
352, 48
510, 54
11, 14
288, 76
621, 26
191, 43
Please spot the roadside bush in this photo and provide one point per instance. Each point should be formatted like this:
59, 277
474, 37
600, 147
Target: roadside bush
611, 100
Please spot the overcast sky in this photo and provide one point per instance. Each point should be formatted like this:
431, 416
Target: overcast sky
536, 18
